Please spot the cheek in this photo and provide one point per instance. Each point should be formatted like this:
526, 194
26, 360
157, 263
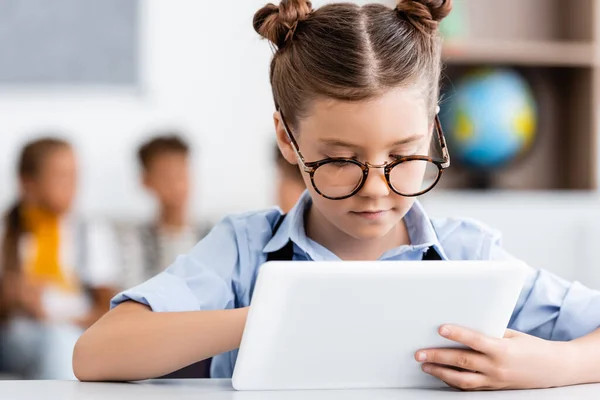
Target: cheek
168, 189
59, 197
331, 208
180, 182
414, 176
307, 181
403, 204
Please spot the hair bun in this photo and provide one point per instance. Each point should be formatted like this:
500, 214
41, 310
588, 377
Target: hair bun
425, 15
278, 23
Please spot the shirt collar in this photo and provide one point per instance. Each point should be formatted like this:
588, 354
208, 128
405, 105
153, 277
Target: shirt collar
420, 230
292, 227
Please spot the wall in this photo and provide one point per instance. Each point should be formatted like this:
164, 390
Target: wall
204, 70
555, 231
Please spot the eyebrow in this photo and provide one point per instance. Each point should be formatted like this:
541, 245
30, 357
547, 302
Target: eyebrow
341, 143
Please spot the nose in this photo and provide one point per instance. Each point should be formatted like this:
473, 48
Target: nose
376, 185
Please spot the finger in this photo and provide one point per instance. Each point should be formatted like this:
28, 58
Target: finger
464, 359
510, 334
457, 379
469, 338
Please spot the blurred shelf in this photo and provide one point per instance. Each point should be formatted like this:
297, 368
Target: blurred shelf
555, 46
514, 52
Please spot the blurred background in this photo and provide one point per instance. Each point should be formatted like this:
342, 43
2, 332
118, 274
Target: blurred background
164, 115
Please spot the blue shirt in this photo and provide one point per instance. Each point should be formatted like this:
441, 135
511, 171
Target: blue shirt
220, 271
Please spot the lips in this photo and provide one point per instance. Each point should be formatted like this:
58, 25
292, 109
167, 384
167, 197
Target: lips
370, 214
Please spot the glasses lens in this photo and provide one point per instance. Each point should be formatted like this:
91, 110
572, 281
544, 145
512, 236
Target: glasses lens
338, 178
412, 177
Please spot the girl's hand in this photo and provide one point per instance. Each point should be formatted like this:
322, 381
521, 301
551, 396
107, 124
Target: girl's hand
30, 298
518, 361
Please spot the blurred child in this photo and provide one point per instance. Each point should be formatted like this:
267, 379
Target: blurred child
290, 184
150, 247
56, 271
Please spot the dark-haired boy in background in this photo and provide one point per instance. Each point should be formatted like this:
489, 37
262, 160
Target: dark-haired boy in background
150, 247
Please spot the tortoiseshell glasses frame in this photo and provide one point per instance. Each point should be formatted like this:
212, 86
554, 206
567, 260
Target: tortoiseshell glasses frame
311, 167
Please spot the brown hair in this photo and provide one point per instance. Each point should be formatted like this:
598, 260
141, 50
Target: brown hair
159, 145
31, 160
351, 53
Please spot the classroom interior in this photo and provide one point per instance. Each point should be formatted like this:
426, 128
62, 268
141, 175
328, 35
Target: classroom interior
109, 77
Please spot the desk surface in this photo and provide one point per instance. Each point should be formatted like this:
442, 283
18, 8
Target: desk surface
221, 390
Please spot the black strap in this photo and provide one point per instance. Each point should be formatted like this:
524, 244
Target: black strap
431, 255
286, 253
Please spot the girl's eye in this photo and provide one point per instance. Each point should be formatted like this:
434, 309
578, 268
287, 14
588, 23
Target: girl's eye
352, 157
406, 153
341, 163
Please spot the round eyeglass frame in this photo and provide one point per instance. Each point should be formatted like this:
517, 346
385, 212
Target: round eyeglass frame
311, 167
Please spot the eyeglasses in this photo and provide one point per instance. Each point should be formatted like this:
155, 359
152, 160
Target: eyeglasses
340, 178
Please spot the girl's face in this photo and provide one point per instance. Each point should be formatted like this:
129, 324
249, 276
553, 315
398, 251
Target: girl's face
374, 131
54, 185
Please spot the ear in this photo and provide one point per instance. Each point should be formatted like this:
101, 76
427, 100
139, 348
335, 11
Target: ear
146, 180
26, 186
283, 141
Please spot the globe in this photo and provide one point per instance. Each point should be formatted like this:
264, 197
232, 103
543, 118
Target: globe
489, 119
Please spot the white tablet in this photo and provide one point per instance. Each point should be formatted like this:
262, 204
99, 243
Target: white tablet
349, 325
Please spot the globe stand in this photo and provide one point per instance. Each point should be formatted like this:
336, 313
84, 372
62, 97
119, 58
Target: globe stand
481, 181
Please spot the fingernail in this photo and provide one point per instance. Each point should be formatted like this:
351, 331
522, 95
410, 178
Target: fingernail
426, 369
444, 331
421, 356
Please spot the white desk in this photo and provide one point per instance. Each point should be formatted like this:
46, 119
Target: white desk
222, 390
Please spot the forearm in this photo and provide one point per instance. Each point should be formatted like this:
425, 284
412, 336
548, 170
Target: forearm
5, 299
133, 343
4, 302
9, 296
583, 359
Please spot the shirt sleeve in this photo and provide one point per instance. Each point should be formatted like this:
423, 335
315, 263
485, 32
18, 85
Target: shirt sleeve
198, 280
550, 307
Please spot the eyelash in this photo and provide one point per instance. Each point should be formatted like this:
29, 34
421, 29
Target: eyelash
393, 156
353, 157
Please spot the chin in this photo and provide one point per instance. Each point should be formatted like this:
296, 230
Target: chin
60, 209
370, 231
